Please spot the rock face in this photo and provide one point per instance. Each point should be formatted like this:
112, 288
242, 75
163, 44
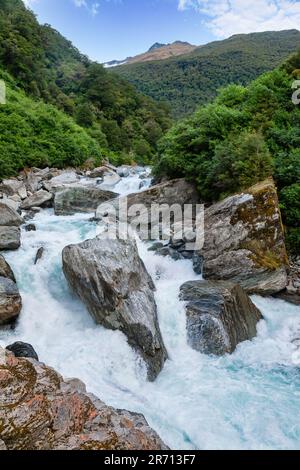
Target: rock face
41, 411
80, 199
111, 279
244, 241
10, 234
220, 315
10, 301
41, 198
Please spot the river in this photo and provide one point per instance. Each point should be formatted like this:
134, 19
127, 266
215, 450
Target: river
247, 400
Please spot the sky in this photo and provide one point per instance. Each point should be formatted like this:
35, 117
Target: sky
115, 29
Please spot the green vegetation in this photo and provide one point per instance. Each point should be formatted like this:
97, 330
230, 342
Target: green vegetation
245, 135
33, 133
191, 80
115, 117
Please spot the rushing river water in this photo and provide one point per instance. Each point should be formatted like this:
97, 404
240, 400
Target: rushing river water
247, 400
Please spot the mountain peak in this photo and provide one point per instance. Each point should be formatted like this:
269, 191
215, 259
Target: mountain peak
156, 45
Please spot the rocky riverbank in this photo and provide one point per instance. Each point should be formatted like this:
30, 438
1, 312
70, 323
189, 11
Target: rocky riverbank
243, 253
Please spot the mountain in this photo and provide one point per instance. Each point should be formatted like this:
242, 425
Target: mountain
156, 52
47, 68
192, 79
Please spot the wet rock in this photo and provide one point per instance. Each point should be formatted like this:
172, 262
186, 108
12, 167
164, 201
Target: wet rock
123, 171
42, 411
21, 349
39, 255
5, 269
111, 279
244, 241
41, 198
10, 301
80, 199
31, 213
220, 315
30, 228
156, 246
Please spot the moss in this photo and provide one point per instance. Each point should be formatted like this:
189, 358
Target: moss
263, 219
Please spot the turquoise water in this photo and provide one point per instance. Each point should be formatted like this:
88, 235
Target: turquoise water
247, 400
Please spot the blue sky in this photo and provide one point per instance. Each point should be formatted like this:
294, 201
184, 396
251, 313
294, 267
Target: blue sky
115, 29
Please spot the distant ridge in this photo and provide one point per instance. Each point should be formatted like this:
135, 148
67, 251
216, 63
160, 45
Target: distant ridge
157, 51
193, 78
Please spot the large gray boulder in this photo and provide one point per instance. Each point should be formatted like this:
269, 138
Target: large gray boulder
10, 301
244, 241
41, 198
220, 315
10, 233
80, 199
112, 281
176, 192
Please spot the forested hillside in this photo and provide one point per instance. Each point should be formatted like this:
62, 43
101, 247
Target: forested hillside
244, 136
188, 81
124, 123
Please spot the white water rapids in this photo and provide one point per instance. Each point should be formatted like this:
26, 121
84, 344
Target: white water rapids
247, 400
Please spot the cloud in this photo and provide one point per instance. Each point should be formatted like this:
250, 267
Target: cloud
93, 7
227, 17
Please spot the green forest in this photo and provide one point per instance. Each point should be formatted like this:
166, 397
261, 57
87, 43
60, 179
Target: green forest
55, 87
191, 80
65, 110
245, 135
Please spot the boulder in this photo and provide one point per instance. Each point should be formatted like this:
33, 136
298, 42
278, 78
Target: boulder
42, 411
41, 198
244, 241
10, 301
30, 228
80, 199
111, 279
10, 233
99, 172
12, 187
39, 254
5, 269
21, 349
171, 192
9, 217
220, 315
10, 238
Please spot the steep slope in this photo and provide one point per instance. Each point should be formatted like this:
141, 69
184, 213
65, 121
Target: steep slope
33, 133
48, 67
190, 80
157, 52
247, 134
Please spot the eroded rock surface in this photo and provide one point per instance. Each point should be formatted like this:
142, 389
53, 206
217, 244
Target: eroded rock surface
220, 315
111, 279
244, 241
42, 411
